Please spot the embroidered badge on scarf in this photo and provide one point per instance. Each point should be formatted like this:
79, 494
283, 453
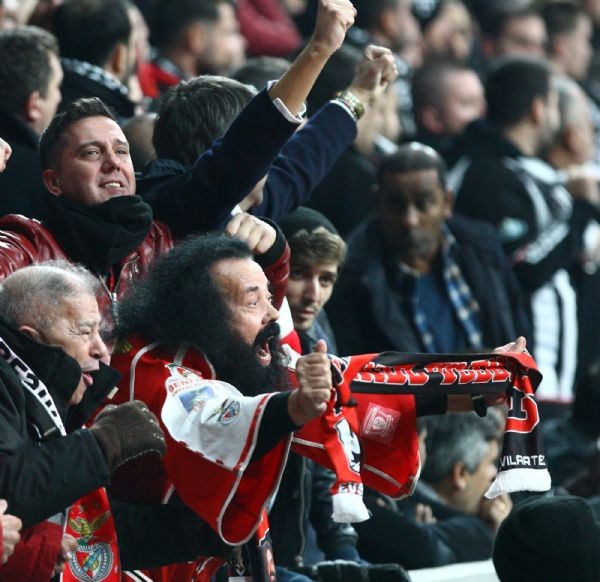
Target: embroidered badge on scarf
96, 558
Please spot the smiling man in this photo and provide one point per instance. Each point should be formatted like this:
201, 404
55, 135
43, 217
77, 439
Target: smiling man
92, 215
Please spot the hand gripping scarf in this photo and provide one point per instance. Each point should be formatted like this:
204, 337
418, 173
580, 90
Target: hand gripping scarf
368, 433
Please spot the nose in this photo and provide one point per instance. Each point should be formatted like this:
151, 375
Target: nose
98, 349
271, 315
311, 289
410, 218
111, 162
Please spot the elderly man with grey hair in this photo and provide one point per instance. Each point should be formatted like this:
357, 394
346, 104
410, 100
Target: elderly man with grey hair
446, 520
53, 375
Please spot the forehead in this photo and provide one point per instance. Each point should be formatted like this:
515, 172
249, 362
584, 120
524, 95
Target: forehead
411, 183
528, 26
93, 129
77, 308
464, 83
237, 277
315, 267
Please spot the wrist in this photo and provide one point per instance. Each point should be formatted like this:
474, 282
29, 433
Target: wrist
352, 102
295, 409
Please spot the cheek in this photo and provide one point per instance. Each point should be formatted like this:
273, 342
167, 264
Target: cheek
248, 327
325, 295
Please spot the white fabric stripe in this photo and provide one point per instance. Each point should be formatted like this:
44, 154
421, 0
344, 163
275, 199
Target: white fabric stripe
133, 366
26, 376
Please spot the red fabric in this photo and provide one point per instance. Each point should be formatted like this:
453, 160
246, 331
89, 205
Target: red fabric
26, 241
268, 29
387, 461
231, 501
90, 522
154, 81
35, 555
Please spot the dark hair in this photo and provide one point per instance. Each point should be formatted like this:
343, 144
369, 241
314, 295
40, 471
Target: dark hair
368, 12
179, 300
336, 76
193, 114
80, 109
24, 65
495, 21
561, 17
171, 17
512, 86
258, 71
413, 156
89, 30
428, 83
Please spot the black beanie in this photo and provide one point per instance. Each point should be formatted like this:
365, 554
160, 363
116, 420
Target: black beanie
305, 219
549, 538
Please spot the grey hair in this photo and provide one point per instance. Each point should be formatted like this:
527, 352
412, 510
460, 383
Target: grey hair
457, 438
33, 295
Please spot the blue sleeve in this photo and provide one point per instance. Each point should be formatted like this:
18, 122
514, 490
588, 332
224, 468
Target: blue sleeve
305, 160
200, 198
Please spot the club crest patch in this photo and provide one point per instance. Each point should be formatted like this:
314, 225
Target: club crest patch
379, 423
92, 562
93, 559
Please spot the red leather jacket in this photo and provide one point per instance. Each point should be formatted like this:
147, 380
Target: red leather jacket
26, 241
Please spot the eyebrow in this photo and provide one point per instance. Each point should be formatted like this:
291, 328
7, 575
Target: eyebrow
254, 289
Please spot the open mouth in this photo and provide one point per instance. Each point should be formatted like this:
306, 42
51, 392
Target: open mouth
113, 185
263, 353
87, 379
264, 340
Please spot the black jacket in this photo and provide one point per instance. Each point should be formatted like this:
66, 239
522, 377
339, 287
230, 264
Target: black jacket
304, 496
42, 472
21, 186
393, 535
366, 309
493, 181
82, 79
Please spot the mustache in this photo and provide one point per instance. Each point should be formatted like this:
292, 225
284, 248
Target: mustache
269, 333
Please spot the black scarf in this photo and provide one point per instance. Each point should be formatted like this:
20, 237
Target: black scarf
98, 236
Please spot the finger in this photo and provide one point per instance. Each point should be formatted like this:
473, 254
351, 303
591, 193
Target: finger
320, 347
264, 244
233, 225
3, 505
253, 236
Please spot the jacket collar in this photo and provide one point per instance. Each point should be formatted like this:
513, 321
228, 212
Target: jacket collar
61, 374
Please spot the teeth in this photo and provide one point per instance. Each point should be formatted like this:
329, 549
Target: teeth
112, 185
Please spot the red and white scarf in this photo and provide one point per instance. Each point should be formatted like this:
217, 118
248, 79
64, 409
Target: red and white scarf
368, 434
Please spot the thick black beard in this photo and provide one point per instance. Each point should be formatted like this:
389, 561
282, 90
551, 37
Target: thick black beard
236, 363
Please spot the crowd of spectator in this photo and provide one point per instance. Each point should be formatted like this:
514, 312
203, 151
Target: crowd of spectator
204, 202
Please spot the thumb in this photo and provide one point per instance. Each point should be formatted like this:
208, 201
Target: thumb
3, 505
320, 347
520, 344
